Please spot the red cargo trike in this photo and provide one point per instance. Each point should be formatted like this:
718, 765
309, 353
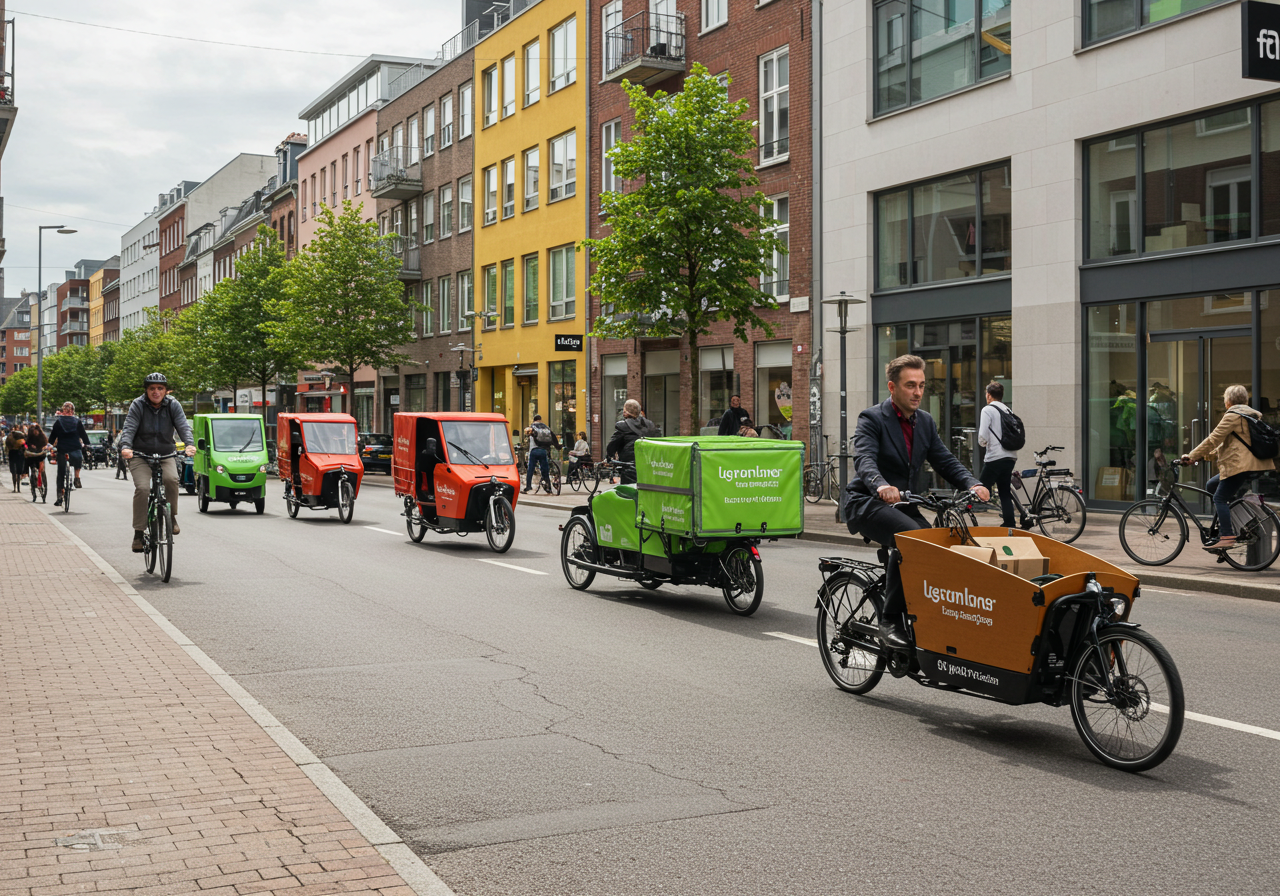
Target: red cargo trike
456, 473
318, 461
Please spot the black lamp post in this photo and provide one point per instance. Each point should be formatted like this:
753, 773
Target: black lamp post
40, 316
842, 303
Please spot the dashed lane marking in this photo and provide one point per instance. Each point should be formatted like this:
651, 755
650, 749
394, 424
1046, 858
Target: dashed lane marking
1158, 707
536, 572
384, 531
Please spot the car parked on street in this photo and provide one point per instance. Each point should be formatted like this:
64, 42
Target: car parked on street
375, 452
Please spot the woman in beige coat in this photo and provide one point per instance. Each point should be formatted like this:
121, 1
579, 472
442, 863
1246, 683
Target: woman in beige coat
1228, 444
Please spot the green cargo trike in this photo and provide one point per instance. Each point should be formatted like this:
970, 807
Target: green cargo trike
231, 460
696, 516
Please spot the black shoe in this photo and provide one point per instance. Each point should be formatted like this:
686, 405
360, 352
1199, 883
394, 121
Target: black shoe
58, 503
138, 546
78, 485
892, 634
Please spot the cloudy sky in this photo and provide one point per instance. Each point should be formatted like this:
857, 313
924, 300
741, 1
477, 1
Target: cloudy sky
107, 119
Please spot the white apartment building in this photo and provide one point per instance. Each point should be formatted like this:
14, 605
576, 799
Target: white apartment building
1077, 198
140, 261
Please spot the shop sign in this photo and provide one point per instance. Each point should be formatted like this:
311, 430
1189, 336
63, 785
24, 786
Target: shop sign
312, 378
1113, 342
394, 399
1260, 40
568, 343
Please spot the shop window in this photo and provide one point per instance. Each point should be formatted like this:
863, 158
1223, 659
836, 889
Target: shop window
949, 229
415, 398
773, 386
444, 391
1111, 401
564, 400
613, 394
1104, 19
716, 382
928, 48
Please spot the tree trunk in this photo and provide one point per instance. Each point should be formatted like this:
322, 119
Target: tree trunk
694, 374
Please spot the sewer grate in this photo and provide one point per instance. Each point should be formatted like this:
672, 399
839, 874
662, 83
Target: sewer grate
103, 838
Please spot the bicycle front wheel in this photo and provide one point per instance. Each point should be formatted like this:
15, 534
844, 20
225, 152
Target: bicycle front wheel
555, 483
1153, 533
164, 541
67, 486
1257, 536
813, 485
1127, 702
1060, 514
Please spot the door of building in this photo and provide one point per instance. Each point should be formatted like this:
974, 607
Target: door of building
1186, 376
951, 376
662, 402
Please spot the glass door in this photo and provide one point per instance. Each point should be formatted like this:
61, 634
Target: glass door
662, 402
950, 393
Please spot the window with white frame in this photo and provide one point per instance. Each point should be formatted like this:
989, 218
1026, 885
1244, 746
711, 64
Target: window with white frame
490, 175
466, 300
611, 137
415, 148
446, 210
465, 206
775, 82
509, 86
446, 121
445, 320
464, 110
561, 304
428, 310
564, 167
714, 12
778, 222
614, 43
413, 225
508, 188
429, 217
531, 179
489, 88
428, 131
532, 72
564, 55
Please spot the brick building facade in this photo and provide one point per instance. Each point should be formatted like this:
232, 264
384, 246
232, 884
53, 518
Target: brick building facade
766, 51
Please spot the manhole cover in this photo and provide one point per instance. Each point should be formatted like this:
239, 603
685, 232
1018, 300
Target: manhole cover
99, 839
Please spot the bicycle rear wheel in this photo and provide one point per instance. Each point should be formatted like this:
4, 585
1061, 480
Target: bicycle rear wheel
1060, 514
1153, 533
164, 541
813, 484
1257, 536
851, 659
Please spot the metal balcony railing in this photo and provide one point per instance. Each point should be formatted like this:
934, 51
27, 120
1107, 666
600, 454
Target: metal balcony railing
395, 174
408, 79
74, 302
645, 48
74, 326
410, 261
461, 42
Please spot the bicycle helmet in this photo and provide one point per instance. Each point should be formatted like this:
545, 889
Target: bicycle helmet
153, 378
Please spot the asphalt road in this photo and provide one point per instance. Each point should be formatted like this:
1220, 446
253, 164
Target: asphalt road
525, 738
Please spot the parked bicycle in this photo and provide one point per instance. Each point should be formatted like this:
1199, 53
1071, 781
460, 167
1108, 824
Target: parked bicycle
1055, 508
822, 478
157, 538
1153, 532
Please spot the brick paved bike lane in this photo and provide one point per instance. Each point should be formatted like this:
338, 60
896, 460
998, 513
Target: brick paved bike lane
130, 763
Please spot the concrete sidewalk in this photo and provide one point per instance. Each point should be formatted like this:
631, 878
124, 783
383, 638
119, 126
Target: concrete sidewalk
130, 762
1193, 570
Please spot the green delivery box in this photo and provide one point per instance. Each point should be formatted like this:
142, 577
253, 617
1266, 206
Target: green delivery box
720, 485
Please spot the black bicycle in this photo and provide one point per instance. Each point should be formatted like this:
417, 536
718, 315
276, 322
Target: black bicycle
822, 478
1153, 532
1055, 507
157, 538
66, 482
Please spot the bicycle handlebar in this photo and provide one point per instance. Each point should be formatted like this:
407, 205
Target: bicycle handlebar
1046, 449
937, 502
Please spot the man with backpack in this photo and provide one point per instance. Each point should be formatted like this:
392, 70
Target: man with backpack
541, 440
1243, 445
1002, 434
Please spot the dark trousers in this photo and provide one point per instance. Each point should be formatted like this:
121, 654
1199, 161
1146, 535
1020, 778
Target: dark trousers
1224, 491
999, 473
881, 523
537, 456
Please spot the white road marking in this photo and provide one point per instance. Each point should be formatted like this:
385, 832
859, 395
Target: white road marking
1158, 707
796, 638
384, 531
536, 572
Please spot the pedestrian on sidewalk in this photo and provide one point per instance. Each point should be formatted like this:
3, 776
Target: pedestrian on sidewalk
999, 461
14, 445
1228, 444
736, 419
149, 428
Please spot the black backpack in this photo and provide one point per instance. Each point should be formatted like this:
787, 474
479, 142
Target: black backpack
1013, 435
1264, 439
542, 435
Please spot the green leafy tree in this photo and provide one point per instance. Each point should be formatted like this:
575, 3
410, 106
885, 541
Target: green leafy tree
73, 374
229, 326
18, 394
149, 348
687, 240
343, 301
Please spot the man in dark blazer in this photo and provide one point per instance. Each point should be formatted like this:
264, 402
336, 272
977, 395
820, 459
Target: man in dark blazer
890, 445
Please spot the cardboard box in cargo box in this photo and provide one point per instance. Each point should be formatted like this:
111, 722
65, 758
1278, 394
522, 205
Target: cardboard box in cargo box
981, 554
1018, 555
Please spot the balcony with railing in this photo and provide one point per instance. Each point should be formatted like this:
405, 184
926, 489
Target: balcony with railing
410, 259
396, 174
646, 48
74, 302
74, 326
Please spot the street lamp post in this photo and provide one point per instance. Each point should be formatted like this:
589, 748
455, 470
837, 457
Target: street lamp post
40, 316
842, 303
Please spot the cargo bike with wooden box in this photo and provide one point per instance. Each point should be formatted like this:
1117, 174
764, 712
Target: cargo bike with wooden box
1014, 617
456, 473
696, 516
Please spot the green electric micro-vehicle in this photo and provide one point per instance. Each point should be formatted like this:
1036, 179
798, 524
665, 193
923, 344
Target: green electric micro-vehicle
231, 460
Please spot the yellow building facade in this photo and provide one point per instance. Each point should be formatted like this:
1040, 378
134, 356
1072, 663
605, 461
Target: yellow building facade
96, 282
530, 297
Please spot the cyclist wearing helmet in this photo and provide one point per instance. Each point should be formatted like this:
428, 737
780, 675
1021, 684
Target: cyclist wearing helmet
149, 428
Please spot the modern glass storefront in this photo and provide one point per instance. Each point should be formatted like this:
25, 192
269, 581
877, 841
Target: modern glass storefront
662, 390
1155, 372
613, 387
564, 400
773, 387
